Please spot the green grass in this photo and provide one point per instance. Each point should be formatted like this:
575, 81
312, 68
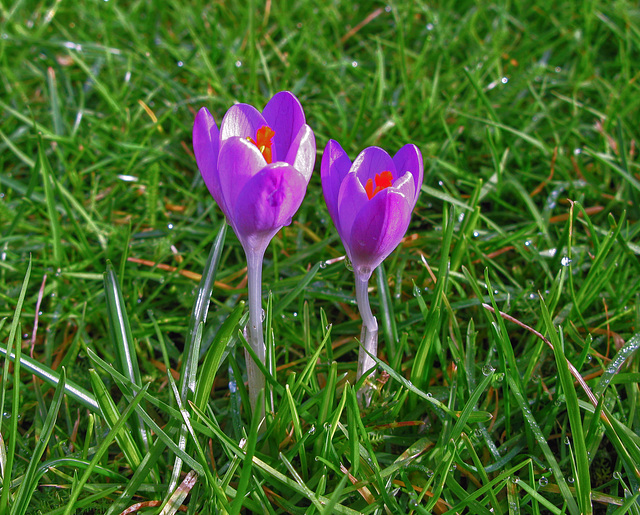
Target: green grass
527, 115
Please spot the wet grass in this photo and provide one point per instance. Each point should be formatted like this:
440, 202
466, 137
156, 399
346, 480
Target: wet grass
509, 316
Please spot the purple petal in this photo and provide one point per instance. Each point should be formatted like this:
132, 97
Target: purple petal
372, 161
409, 159
302, 153
267, 203
285, 116
206, 144
239, 160
241, 120
333, 169
406, 186
378, 229
351, 200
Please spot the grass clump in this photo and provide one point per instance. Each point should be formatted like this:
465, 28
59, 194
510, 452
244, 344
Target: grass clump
508, 317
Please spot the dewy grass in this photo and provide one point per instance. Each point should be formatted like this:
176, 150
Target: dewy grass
526, 117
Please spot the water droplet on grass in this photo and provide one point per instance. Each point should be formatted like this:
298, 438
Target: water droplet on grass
238, 64
487, 370
565, 261
543, 481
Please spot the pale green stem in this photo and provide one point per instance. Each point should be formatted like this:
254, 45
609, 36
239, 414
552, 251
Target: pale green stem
255, 377
369, 334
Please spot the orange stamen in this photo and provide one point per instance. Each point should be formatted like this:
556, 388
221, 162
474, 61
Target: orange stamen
383, 180
263, 142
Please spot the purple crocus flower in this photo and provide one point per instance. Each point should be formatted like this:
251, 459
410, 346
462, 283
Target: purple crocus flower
370, 202
257, 167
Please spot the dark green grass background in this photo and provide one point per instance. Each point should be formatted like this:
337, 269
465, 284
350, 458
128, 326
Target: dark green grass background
527, 116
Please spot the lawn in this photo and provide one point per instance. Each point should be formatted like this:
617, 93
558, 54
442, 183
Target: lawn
509, 315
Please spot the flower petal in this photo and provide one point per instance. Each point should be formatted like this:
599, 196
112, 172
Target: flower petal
241, 120
378, 229
372, 161
405, 185
239, 160
206, 145
267, 202
302, 153
409, 159
285, 116
351, 200
333, 169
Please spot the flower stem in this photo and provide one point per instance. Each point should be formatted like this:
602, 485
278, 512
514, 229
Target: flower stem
369, 334
255, 377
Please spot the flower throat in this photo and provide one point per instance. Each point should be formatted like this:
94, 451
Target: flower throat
383, 180
263, 142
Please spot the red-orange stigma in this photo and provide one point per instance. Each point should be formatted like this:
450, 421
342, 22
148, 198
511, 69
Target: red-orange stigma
263, 142
383, 180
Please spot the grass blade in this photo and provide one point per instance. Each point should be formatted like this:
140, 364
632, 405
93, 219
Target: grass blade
123, 343
104, 445
30, 479
583, 479
12, 431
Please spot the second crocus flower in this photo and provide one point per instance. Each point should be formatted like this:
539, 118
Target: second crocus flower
257, 167
370, 202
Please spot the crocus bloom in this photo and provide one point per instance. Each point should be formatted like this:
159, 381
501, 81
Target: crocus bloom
370, 202
257, 167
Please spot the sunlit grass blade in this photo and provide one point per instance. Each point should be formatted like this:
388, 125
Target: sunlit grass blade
123, 343
180, 494
187, 384
199, 313
52, 377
